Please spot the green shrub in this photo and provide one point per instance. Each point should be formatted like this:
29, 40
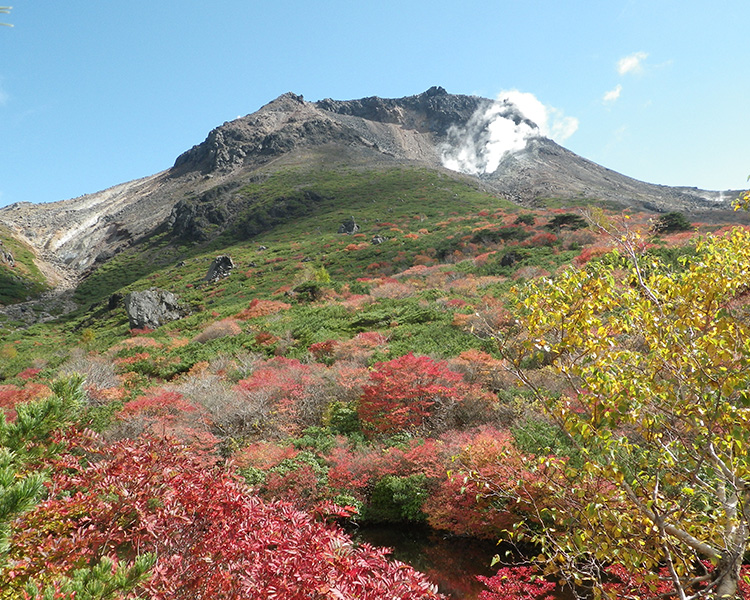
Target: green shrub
540, 437
671, 222
501, 234
342, 418
317, 439
567, 221
525, 219
398, 499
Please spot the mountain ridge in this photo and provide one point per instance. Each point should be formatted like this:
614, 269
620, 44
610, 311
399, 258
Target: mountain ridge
73, 237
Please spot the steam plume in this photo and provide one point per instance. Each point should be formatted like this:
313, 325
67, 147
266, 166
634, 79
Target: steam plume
504, 127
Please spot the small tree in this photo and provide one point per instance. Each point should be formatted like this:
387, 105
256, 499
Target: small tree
671, 222
657, 364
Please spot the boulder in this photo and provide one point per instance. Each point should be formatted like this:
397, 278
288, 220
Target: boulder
7, 257
349, 226
220, 268
510, 258
152, 308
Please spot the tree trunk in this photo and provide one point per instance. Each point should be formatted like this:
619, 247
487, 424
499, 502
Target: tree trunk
729, 577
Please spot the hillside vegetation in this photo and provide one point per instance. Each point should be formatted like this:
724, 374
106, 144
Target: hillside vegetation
353, 376
20, 278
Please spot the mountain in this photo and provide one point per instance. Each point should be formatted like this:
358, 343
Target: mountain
197, 196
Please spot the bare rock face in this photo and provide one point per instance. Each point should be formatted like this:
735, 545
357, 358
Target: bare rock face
544, 170
407, 128
220, 268
152, 308
6, 256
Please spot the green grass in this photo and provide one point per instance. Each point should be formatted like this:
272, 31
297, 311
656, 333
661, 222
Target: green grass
426, 218
24, 280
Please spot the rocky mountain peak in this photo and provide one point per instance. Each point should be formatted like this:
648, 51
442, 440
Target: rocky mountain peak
289, 122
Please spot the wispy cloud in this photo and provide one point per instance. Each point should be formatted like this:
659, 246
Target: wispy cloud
633, 63
613, 94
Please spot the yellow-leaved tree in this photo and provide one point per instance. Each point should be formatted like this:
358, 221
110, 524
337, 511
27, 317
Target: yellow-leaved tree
655, 501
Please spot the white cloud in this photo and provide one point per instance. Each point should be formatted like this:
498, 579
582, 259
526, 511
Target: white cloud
631, 63
612, 95
503, 128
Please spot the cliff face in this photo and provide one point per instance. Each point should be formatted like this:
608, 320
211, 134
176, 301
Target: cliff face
410, 128
74, 236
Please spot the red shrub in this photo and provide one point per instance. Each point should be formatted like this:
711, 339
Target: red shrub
541, 239
361, 347
415, 393
590, 252
29, 373
11, 395
167, 414
356, 471
462, 503
323, 350
405, 392
300, 487
263, 455
295, 391
519, 583
261, 308
212, 538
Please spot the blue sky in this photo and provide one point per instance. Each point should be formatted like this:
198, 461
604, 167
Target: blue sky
93, 94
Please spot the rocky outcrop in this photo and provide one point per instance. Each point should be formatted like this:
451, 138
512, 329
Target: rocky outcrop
221, 267
277, 128
349, 227
6, 256
152, 308
193, 218
434, 111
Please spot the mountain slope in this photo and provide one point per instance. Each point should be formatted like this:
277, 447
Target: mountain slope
74, 237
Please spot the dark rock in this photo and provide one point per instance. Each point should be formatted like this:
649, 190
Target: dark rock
377, 239
197, 217
349, 226
152, 308
221, 267
434, 110
261, 248
510, 258
114, 301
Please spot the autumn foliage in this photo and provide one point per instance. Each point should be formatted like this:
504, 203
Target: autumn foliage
212, 538
413, 393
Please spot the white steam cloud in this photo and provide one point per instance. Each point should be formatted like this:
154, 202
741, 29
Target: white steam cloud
502, 128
